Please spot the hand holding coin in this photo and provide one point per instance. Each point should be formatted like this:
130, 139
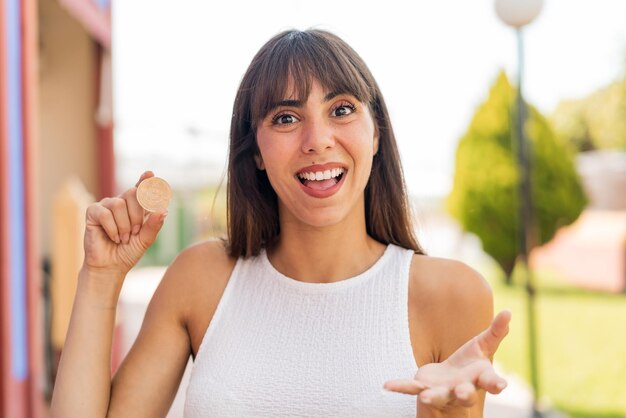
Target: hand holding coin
154, 194
120, 229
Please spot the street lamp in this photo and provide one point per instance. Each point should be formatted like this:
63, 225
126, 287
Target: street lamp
517, 14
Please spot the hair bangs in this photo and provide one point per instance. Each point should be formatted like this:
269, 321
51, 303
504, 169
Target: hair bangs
289, 68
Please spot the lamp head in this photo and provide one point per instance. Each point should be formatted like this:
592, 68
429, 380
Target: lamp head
518, 13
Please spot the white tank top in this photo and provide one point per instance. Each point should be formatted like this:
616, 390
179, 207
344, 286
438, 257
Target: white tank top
278, 347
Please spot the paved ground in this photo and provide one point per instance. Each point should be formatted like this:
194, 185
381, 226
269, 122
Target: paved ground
590, 253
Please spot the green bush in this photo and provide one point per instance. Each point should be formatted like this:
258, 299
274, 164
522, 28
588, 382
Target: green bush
484, 198
597, 121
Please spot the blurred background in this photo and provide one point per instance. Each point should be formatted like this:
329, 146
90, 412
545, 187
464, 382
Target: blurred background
93, 93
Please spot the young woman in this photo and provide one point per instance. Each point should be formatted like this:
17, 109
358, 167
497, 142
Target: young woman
319, 303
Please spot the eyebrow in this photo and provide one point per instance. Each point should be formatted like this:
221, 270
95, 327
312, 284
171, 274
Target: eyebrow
332, 95
290, 103
299, 103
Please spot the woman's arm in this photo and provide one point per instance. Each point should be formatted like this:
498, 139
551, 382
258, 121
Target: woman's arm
147, 380
460, 307
84, 375
467, 311
117, 233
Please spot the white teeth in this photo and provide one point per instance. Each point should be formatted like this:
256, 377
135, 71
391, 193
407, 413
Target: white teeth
321, 175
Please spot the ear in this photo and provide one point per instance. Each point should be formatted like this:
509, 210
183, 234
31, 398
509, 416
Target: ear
259, 162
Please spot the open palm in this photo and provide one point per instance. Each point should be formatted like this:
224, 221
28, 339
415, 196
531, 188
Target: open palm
454, 382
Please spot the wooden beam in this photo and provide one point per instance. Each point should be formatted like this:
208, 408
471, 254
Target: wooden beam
37, 405
14, 316
4, 222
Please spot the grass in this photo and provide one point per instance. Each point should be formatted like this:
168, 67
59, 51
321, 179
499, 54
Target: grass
581, 345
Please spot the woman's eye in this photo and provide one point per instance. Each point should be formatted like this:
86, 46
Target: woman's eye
284, 119
343, 109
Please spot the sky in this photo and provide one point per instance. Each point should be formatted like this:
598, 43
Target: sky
177, 66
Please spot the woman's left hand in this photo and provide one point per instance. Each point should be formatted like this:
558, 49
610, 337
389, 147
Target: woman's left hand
455, 381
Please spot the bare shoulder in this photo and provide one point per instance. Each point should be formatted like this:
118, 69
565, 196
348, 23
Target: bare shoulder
198, 272
449, 280
201, 258
452, 299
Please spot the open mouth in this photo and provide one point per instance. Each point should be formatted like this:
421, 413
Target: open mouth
321, 180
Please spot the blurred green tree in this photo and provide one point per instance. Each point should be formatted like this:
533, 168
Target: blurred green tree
484, 198
597, 121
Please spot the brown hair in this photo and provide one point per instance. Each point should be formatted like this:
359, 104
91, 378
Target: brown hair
303, 56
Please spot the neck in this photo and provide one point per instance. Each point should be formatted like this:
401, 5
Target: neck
327, 254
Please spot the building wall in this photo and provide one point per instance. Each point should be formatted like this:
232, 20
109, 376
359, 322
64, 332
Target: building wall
67, 96
19, 326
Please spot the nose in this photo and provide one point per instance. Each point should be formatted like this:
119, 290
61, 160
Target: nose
317, 136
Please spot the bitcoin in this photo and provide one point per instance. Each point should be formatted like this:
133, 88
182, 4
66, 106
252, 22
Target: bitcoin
154, 194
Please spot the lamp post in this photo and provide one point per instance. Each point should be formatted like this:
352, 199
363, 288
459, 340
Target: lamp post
517, 14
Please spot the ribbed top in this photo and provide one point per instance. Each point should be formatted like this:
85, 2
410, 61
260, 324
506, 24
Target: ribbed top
280, 347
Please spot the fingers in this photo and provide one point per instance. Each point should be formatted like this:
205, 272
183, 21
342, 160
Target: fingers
103, 217
145, 175
406, 386
118, 208
121, 217
135, 211
465, 394
491, 382
438, 396
150, 229
490, 339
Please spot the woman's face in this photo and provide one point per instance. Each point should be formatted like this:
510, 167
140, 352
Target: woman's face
318, 156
